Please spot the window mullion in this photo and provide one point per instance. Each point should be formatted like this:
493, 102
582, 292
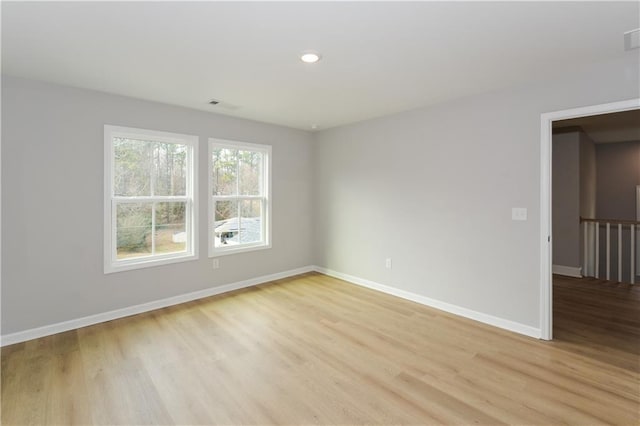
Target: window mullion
114, 204
261, 183
189, 218
238, 212
114, 230
238, 209
187, 226
238, 172
152, 184
158, 199
237, 197
153, 228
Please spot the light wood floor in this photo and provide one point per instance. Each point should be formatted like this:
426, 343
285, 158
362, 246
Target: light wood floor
316, 350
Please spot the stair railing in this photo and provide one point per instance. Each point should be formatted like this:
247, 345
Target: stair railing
594, 225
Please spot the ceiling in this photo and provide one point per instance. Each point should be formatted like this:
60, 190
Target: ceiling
378, 58
605, 128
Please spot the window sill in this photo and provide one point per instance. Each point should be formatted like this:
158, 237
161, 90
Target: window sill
245, 249
148, 263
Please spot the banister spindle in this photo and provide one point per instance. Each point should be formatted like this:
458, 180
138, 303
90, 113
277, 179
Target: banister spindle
620, 252
608, 251
597, 227
585, 254
633, 254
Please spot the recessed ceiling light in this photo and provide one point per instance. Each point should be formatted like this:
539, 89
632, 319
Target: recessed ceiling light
310, 57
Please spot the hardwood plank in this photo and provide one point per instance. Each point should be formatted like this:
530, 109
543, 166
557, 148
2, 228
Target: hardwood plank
315, 350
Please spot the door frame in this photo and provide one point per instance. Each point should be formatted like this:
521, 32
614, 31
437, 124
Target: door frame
546, 123
637, 236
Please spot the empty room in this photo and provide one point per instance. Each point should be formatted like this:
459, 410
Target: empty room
335, 213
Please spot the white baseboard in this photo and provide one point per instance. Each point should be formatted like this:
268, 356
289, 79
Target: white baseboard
48, 330
568, 271
60, 327
443, 306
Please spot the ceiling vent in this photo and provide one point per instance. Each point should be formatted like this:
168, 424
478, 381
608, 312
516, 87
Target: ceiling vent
223, 105
632, 39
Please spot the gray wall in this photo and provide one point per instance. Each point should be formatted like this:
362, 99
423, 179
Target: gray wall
588, 177
574, 194
52, 204
433, 189
566, 199
618, 175
588, 194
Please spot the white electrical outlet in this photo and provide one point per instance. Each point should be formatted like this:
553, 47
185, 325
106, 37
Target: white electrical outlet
216, 263
387, 263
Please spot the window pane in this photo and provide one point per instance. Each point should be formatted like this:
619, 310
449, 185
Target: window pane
170, 169
250, 221
133, 230
225, 169
225, 230
132, 168
171, 232
250, 168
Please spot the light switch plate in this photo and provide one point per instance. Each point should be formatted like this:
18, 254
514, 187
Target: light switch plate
519, 213
632, 39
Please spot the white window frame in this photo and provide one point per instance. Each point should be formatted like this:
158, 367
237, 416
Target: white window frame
266, 197
111, 262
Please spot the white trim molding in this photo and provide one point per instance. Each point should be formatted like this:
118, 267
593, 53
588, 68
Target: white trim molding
73, 324
111, 201
568, 271
437, 304
546, 127
264, 198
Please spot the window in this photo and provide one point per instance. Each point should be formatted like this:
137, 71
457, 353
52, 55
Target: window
239, 204
150, 206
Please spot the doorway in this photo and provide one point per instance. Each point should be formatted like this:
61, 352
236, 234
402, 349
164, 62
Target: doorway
546, 253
